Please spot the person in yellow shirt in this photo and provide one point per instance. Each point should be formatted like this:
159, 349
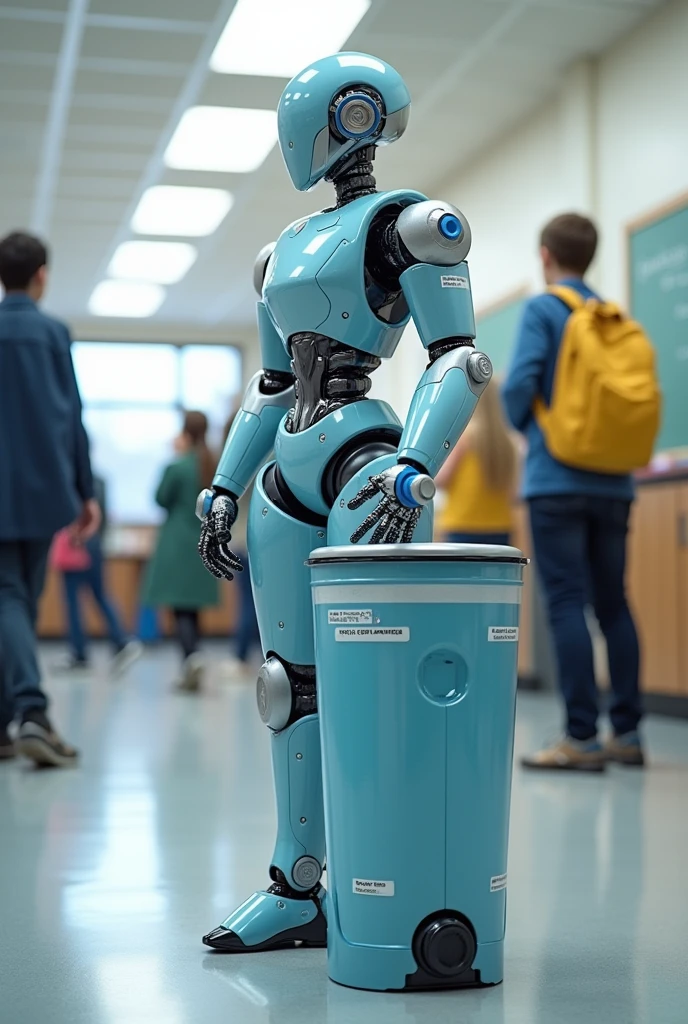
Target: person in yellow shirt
479, 478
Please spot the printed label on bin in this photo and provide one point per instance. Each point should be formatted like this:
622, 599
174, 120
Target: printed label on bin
374, 634
367, 887
350, 616
497, 883
500, 634
453, 281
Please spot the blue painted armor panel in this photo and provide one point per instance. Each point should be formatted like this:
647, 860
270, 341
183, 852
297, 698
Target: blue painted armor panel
440, 301
315, 275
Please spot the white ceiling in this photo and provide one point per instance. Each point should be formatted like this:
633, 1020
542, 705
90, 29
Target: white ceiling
90, 93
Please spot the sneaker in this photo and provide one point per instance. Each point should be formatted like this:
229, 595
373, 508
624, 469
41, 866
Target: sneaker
125, 657
570, 755
192, 674
232, 669
625, 749
38, 741
7, 748
70, 663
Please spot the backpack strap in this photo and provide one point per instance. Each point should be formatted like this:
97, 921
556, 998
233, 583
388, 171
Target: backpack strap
569, 296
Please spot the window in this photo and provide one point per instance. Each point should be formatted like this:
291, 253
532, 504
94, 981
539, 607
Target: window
133, 396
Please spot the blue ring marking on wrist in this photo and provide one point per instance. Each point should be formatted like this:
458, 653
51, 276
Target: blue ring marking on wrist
207, 502
402, 487
346, 132
450, 226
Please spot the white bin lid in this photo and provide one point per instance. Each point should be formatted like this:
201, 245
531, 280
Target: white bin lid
417, 553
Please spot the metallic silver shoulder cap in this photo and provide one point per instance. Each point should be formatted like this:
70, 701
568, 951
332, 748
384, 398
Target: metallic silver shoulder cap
435, 232
260, 266
476, 366
255, 400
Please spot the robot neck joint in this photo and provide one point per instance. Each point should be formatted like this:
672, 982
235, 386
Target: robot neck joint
353, 176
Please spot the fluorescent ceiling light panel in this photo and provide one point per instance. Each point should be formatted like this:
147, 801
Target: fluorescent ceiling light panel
126, 298
280, 37
157, 262
181, 210
231, 139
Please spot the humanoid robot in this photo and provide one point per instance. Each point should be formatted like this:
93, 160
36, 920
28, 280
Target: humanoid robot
336, 291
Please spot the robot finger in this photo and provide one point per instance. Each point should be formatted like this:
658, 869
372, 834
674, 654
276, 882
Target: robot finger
233, 560
381, 529
407, 535
365, 494
395, 530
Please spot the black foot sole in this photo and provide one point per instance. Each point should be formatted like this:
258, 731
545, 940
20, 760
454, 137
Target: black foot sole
308, 936
582, 769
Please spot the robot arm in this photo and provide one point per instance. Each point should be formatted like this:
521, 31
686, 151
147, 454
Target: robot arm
270, 393
427, 246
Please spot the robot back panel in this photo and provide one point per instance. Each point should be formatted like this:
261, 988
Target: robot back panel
316, 278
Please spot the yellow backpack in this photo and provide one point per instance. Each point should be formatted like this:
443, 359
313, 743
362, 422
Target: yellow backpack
606, 402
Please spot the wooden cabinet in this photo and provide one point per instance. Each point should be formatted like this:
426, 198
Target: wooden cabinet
658, 585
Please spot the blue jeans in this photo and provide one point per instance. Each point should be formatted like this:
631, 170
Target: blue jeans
580, 548
92, 579
478, 538
22, 575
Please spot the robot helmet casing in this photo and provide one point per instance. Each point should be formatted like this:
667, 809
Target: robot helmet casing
373, 110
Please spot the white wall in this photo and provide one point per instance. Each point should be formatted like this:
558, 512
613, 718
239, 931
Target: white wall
612, 143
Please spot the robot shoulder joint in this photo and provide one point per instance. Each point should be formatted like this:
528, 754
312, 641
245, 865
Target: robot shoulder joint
260, 266
435, 232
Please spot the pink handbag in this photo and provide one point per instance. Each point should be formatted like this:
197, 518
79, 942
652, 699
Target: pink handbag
66, 556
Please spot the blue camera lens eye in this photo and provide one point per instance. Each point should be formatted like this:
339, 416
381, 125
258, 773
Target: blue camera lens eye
450, 226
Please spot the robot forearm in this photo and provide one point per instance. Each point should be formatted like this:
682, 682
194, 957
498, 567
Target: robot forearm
442, 406
268, 396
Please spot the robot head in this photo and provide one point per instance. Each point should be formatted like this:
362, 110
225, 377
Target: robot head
335, 106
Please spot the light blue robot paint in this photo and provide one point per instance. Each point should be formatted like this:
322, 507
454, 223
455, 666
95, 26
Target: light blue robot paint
336, 291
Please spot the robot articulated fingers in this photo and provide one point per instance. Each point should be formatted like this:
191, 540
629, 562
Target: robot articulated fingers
336, 291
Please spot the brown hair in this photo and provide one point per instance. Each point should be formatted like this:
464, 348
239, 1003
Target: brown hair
196, 427
572, 241
492, 442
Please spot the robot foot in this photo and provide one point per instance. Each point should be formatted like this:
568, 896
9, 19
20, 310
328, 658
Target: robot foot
278, 918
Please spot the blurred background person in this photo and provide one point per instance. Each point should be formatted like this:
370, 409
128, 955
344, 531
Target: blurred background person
579, 524
176, 578
479, 478
45, 484
246, 634
81, 566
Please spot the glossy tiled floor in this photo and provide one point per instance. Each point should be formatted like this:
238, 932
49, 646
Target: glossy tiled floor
109, 875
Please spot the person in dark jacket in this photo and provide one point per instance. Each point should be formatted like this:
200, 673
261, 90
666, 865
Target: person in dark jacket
45, 484
176, 577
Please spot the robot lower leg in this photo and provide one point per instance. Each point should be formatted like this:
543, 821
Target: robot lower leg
290, 911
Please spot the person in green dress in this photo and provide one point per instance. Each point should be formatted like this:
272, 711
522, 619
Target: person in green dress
176, 577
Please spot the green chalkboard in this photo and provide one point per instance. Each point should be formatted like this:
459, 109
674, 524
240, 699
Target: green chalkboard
659, 300
496, 332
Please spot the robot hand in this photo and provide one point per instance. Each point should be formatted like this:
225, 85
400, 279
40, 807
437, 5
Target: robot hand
404, 491
218, 513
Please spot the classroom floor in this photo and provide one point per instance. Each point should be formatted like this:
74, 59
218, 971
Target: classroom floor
110, 873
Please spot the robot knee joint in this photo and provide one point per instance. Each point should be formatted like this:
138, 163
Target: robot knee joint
285, 693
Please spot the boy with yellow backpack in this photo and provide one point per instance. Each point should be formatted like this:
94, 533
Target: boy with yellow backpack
582, 388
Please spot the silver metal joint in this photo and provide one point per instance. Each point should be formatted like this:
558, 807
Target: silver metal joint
479, 367
273, 695
423, 489
435, 232
306, 872
203, 503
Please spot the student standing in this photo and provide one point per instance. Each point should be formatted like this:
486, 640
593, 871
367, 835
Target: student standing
45, 484
479, 478
579, 522
176, 577
82, 570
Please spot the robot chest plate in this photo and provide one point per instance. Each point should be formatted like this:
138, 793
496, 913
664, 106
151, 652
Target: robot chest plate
294, 298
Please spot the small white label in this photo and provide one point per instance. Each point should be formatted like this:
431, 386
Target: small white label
366, 887
500, 634
350, 616
453, 281
497, 883
376, 634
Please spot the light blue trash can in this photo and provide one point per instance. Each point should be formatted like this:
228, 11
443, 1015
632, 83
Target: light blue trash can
416, 661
